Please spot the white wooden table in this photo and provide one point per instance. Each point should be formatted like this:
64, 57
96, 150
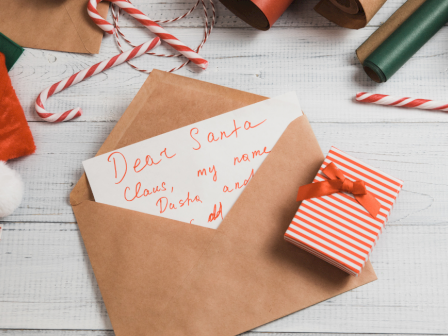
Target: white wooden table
47, 286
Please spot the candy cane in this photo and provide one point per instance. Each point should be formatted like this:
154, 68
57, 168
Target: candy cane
208, 27
82, 75
380, 99
148, 23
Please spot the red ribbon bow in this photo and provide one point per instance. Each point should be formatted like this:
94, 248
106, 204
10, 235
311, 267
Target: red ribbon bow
338, 182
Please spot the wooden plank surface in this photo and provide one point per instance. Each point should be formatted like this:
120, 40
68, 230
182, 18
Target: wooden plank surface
46, 281
415, 153
299, 14
111, 333
318, 63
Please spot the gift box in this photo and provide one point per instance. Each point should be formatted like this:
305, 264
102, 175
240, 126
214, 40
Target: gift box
343, 211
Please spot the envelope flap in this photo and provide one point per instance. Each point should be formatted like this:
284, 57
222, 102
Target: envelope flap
155, 110
89, 33
52, 24
168, 102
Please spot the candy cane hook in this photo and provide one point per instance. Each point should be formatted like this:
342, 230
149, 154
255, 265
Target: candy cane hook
148, 23
82, 75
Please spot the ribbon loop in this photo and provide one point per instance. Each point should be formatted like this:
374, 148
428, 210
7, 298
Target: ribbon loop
338, 182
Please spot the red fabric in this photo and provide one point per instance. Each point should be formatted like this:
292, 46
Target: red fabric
15, 135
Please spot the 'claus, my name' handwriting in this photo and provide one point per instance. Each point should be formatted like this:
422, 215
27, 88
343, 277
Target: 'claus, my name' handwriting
212, 171
247, 157
139, 193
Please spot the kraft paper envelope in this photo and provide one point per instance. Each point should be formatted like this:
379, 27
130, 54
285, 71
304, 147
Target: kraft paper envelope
163, 277
61, 25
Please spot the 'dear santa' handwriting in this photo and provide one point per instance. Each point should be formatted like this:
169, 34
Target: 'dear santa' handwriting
222, 135
121, 164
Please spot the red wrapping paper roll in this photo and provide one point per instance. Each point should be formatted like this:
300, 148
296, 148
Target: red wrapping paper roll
260, 14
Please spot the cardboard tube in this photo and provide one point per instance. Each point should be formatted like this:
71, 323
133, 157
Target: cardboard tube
344, 13
347, 6
387, 28
406, 40
260, 14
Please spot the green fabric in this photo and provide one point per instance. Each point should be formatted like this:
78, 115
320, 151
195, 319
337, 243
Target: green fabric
11, 50
404, 42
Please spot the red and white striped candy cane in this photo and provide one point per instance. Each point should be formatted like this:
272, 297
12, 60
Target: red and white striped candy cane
380, 99
148, 23
82, 75
208, 27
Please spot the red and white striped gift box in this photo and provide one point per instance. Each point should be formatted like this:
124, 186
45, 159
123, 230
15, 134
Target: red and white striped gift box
336, 228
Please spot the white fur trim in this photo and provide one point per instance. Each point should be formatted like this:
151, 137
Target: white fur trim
11, 190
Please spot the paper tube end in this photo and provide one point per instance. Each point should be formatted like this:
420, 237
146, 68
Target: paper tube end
249, 12
374, 72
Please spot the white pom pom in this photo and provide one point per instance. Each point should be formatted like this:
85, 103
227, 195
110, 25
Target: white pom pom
11, 190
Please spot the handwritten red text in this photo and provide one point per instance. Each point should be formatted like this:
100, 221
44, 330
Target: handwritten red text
121, 165
196, 131
142, 193
246, 157
222, 135
215, 214
202, 172
122, 159
165, 204
238, 185
149, 161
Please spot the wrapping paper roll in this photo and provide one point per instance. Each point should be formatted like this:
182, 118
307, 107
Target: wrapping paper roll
394, 43
352, 14
260, 14
387, 28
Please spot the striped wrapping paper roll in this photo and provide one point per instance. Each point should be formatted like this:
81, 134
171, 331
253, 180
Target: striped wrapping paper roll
337, 228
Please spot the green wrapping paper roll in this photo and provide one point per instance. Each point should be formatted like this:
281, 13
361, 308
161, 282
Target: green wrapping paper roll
406, 40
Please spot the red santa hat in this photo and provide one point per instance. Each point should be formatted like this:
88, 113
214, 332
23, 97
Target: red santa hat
15, 140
